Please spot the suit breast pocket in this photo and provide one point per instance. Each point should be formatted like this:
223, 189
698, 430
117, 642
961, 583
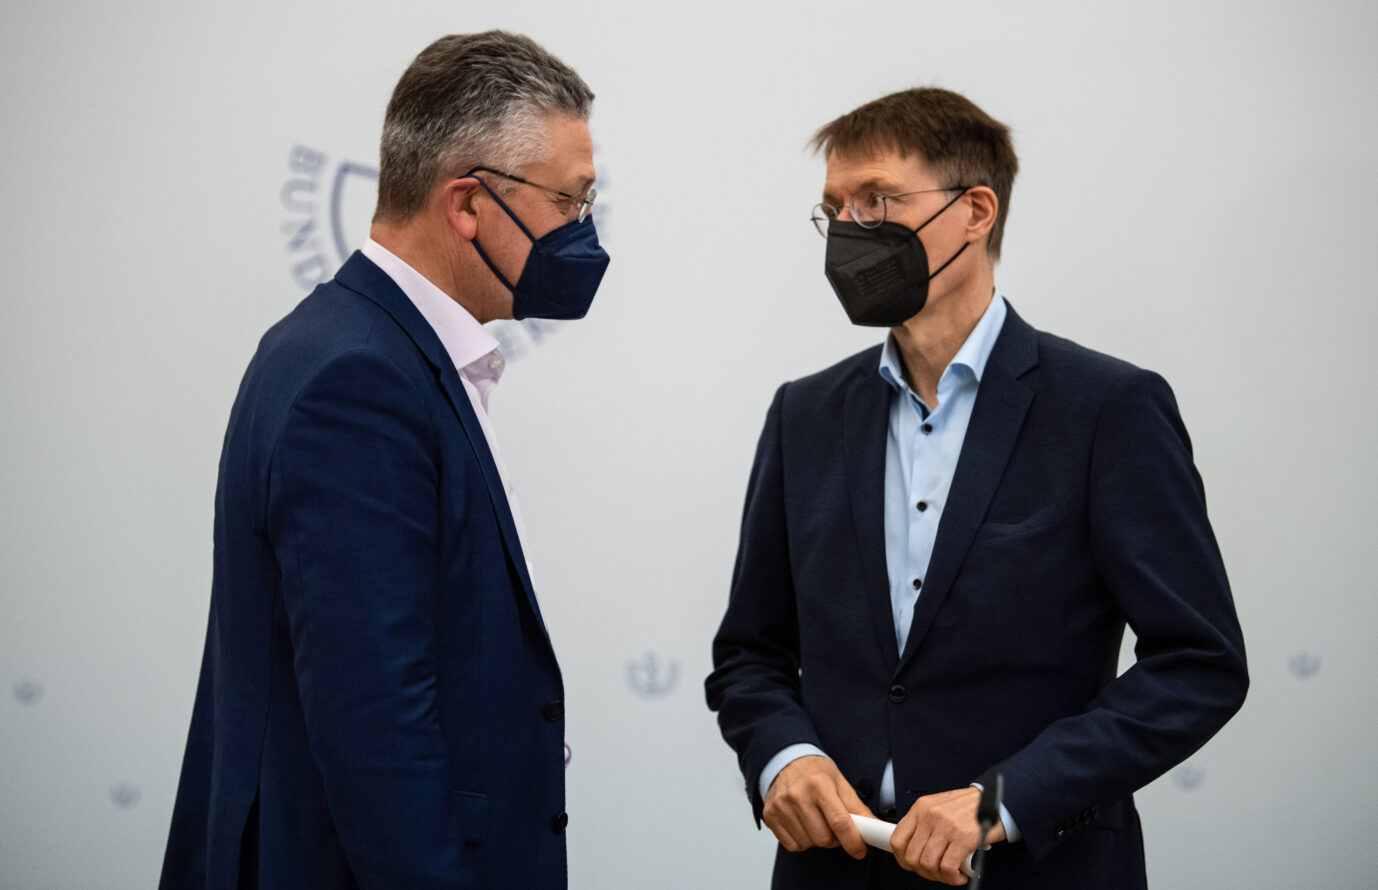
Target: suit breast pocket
1051, 514
1028, 577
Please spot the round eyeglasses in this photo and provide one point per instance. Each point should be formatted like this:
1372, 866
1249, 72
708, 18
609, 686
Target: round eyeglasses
868, 209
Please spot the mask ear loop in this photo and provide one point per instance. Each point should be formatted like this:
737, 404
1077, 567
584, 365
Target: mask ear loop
949, 262
935, 216
940, 212
525, 231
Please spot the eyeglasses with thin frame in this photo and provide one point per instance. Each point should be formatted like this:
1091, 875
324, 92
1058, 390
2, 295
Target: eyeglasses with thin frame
583, 202
868, 209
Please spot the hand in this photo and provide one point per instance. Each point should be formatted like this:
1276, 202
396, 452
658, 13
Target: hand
809, 805
938, 833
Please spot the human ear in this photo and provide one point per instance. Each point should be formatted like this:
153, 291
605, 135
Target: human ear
458, 197
984, 208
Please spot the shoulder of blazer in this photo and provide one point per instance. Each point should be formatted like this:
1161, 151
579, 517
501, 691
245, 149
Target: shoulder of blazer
332, 321
1052, 348
360, 276
1045, 361
827, 389
1065, 363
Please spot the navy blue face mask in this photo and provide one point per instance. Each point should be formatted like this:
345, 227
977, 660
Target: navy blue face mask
562, 272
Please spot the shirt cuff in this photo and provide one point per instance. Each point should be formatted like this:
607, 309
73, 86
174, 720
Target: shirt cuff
783, 759
1012, 832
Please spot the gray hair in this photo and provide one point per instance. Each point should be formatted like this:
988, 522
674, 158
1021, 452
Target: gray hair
470, 100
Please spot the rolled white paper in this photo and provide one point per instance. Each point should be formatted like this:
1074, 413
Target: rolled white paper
876, 833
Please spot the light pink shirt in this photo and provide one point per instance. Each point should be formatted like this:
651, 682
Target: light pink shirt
473, 350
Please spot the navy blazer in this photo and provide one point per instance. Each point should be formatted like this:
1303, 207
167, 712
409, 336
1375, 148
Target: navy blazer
1074, 508
379, 704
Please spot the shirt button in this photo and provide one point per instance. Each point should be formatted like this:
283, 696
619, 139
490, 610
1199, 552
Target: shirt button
918, 582
495, 362
922, 505
898, 693
927, 428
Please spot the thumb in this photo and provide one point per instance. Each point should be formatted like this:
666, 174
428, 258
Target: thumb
850, 800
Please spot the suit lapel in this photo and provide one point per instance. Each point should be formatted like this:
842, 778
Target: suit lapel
996, 418
359, 274
867, 421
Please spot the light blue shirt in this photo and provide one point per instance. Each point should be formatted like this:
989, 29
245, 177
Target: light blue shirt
922, 445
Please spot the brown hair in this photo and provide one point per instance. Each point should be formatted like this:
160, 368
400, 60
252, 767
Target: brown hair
958, 141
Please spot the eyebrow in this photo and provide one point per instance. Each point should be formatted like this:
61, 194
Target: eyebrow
581, 186
876, 185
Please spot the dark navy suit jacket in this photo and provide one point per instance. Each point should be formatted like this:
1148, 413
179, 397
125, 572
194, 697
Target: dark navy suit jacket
379, 704
1075, 508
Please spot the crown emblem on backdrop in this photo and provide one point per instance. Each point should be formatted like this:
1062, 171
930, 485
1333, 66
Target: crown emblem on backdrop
650, 676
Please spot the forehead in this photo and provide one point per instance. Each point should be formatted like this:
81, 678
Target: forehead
886, 170
571, 149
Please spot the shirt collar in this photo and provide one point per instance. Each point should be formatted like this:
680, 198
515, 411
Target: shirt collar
472, 349
973, 354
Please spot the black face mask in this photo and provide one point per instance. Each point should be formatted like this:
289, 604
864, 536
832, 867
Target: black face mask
881, 275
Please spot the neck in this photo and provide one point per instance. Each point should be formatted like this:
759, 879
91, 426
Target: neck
419, 247
929, 341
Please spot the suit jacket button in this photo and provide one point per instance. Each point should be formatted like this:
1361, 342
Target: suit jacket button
554, 711
898, 693
558, 824
864, 788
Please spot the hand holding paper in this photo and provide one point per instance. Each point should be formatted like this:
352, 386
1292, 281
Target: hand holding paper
939, 834
876, 832
808, 805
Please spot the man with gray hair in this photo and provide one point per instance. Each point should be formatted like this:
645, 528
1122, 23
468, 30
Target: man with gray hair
379, 702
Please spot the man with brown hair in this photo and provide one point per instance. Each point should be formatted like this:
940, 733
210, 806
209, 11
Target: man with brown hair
379, 703
944, 538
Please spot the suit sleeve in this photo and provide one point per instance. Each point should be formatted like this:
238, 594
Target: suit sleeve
754, 687
1153, 547
352, 519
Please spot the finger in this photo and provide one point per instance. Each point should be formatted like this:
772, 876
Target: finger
900, 840
931, 858
916, 849
787, 830
952, 862
849, 798
904, 831
816, 824
843, 828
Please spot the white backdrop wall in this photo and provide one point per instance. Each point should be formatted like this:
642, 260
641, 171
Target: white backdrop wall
1195, 196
